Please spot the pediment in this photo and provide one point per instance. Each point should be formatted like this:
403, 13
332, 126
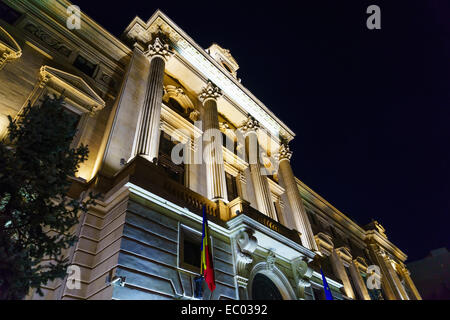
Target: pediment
324, 241
361, 263
344, 253
74, 87
9, 48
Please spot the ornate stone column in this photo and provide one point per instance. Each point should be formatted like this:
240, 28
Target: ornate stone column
361, 287
260, 183
295, 201
339, 269
149, 132
412, 287
213, 154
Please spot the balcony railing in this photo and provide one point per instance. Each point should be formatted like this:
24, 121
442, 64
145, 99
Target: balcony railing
153, 178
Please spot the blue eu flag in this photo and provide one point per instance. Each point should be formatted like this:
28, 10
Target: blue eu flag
326, 288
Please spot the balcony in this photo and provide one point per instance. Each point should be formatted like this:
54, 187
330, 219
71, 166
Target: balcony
155, 179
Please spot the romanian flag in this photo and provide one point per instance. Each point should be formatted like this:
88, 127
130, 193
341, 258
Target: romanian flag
207, 268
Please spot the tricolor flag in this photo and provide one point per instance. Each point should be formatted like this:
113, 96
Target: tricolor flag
207, 268
326, 288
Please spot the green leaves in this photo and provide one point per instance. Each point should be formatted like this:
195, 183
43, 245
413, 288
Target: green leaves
36, 161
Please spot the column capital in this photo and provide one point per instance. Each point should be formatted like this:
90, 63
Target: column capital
159, 49
210, 91
250, 125
284, 152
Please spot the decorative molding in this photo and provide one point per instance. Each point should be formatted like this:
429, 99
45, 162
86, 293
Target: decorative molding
345, 254
48, 38
224, 58
302, 275
141, 31
246, 245
159, 49
324, 242
284, 153
211, 91
9, 48
361, 264
271, 260
249, 125
178, 94
194, 115
76, 90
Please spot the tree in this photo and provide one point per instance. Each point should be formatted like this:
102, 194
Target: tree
36, 216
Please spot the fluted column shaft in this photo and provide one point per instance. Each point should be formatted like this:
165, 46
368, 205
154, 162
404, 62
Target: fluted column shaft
410, 284
296, 203
339, 270
260, 183
359, 282
213, 154
149, 133
149, 130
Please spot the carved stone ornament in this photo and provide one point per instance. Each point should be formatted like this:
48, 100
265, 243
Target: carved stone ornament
270, 260
194, 115
9, 49
250, 125
211, 91
284, 152
159, 49
246, 244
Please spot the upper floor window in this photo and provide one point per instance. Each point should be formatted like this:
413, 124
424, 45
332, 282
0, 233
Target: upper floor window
8, 14
190, 249
174, 171
85, 65
231, 186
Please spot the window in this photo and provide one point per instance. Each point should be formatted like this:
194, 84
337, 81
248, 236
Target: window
190, 249
231, 186
85, 66
228, 142
8, 14
174, 171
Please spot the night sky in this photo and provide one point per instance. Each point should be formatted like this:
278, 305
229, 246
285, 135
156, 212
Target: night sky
370, 107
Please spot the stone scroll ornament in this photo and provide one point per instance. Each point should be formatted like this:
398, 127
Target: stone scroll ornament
247, 244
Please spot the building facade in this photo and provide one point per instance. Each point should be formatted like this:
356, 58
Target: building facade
147, 100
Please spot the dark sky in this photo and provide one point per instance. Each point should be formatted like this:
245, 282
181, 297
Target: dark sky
370, 107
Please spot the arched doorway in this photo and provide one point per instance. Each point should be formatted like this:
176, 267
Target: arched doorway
264, 289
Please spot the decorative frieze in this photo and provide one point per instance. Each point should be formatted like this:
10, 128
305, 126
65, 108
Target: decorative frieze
49, 39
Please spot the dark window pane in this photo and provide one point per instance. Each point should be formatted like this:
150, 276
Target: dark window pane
85, 66
231, 186
192, 251
8, 14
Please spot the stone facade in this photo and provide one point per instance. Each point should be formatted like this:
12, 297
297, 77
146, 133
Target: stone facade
144, 94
